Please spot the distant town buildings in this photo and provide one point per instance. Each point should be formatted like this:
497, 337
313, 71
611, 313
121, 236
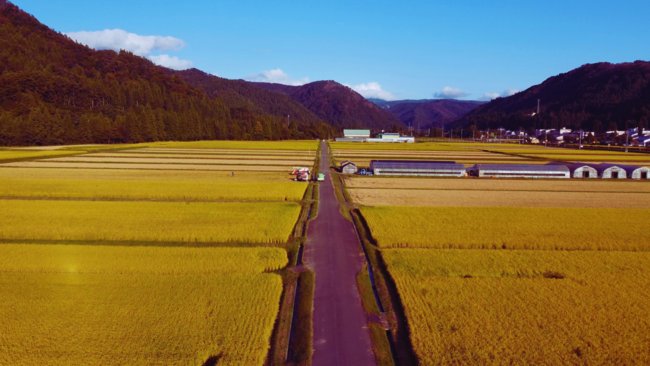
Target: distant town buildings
364, 136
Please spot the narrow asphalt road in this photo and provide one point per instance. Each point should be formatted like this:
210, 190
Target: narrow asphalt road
333, 252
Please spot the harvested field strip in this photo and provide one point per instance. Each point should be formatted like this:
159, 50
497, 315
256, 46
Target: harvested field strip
147, 221
598, 159
426, 146
524, 307
195, 156
584, 185
72, 188
477, 198
557, 151
240, 145
8, 155
205, 167
93, 159
508, 228
147, 176
84, 305
225, 152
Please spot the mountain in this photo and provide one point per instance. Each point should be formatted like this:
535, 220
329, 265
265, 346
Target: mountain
595, 97
337, 104
238, 93
427, 113
56, 91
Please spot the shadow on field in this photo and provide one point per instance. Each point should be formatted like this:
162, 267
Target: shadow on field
213, 360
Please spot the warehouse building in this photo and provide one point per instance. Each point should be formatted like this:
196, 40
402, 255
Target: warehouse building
354, 136
520, 171
417, 168
609, 171
348, 167
578, 170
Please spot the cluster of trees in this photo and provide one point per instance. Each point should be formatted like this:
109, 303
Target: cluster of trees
55, 91
595, 97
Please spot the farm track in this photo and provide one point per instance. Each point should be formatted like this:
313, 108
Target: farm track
333, 252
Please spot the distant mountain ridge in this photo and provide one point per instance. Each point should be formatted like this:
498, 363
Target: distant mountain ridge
337, 104
425, 113
594, 97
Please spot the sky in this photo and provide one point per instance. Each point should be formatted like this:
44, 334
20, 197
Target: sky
473, 50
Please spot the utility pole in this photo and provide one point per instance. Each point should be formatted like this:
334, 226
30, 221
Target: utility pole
627, 136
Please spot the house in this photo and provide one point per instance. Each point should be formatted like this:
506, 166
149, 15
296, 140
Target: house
348, 167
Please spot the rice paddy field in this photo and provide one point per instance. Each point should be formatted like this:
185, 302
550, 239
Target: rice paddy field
507, 271
156, 254
85, 305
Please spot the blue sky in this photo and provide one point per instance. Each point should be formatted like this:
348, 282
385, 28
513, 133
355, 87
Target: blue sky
407, 49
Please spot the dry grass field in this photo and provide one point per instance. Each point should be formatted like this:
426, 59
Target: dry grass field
220, 222
508, 228
478, 307
77, 305
477, 198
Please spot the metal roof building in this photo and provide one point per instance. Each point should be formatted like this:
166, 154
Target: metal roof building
631, 171
578, 170
609, 171
520, 171
417, 168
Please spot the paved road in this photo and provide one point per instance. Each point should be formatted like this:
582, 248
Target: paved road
333, 252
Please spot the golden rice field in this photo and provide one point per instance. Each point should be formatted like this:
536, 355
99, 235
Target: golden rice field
476, 198
148, 221
148, 167
191, 156
164, 190
76, 305
8, 155
148, 176
137, 160
508, 228
481, 307
244, 145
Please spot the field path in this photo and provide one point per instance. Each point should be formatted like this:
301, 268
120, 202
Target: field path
333, 252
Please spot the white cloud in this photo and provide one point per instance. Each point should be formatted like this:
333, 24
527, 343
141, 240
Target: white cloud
171, 62
144, 46
276, 76
495, 95
372, 90
509, 92
450, 93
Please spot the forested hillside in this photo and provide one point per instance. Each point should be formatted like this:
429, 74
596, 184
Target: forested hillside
595, 97
238, 93
55, 91
337, 104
